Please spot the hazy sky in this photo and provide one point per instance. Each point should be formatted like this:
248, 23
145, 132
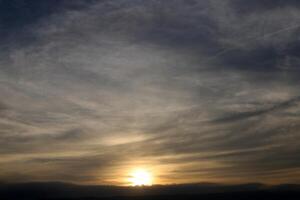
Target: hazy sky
191, 90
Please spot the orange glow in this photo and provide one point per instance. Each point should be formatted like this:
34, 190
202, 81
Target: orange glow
140, 177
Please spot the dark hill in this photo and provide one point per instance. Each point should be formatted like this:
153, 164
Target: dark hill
56, 190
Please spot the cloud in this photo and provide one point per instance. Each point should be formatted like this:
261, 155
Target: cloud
181, 85
3, 107
257, 113
264, 5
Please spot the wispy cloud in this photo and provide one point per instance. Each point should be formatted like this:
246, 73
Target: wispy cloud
208, 88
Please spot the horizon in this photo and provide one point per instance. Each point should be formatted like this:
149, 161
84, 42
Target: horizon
150, 92
155, 185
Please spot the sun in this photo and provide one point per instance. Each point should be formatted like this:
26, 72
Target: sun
140, 177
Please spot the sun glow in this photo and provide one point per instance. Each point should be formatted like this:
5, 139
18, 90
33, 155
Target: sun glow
141, 177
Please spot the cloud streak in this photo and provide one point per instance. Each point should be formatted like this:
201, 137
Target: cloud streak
194, 90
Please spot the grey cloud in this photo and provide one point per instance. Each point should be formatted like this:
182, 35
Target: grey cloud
264, 5
180, 78
257, 113
21, 143
3, 107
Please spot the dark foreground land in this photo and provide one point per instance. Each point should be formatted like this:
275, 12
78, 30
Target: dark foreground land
62, 191
220, 196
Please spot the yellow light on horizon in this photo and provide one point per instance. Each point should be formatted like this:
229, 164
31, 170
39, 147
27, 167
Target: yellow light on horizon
141, 177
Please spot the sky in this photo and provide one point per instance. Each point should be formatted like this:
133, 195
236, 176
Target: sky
190, 90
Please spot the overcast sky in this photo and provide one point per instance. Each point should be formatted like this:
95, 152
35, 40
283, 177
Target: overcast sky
192, 90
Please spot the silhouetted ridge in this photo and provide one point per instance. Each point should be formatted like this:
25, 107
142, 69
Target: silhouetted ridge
56, 190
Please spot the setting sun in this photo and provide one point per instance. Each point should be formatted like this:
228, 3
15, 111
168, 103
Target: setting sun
141, 177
